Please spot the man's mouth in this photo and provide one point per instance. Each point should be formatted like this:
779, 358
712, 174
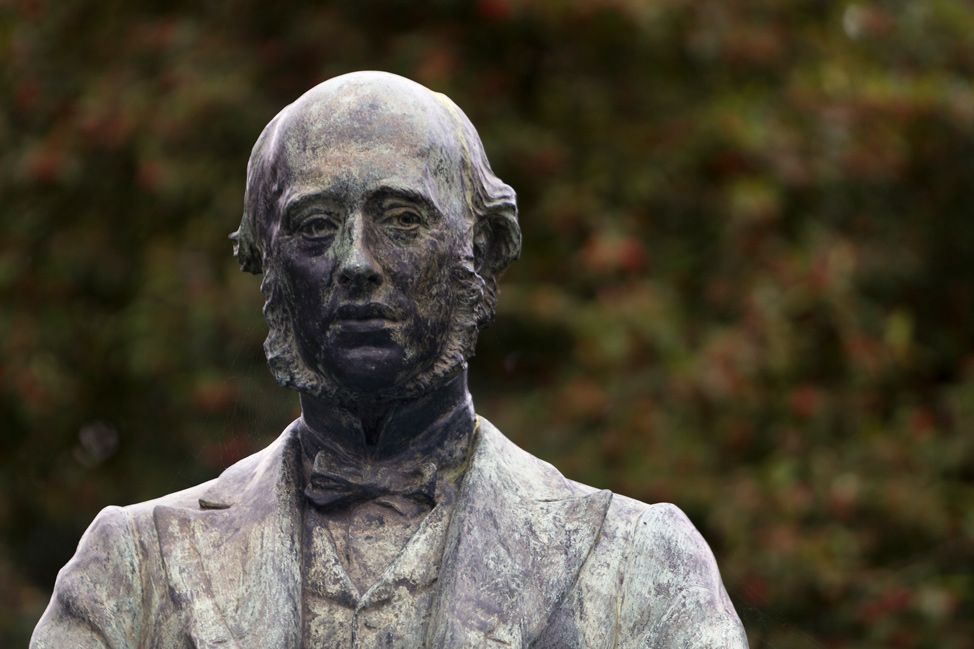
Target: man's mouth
363, 318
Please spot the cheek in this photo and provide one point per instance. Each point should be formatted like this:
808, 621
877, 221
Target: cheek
423, 274
307, 275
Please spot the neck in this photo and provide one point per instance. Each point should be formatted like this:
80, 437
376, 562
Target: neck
435, 424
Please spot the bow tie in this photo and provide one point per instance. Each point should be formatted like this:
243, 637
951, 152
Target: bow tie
337, 482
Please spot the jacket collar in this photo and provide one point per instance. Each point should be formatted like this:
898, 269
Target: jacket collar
518, 537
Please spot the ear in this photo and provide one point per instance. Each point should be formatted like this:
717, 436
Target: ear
496, 243
245, 250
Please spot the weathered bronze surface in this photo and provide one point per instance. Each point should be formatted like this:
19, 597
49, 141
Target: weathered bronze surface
389, 514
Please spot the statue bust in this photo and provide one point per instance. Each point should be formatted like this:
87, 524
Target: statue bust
389, 514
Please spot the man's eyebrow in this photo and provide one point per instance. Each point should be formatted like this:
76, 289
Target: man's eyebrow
301, 200
298, 202
385, 192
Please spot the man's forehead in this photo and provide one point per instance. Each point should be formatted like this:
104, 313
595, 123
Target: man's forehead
369, 111
362, 174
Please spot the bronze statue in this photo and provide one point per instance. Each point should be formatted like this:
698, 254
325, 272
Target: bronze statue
388, 514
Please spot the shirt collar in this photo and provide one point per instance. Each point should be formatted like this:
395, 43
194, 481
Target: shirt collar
436, 427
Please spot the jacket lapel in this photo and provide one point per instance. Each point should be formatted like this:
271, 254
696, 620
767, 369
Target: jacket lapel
516, 544
234, 565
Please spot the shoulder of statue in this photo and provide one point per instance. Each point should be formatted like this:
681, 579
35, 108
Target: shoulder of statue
535, 476
227, 488
663, 530
671, 576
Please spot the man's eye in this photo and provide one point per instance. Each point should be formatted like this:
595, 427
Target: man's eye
403, 219
317, 226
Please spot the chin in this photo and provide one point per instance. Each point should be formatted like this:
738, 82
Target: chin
367, 369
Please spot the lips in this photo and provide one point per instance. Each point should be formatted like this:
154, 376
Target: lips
371, 311
363, 318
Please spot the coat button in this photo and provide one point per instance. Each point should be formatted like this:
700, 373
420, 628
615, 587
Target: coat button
371, 622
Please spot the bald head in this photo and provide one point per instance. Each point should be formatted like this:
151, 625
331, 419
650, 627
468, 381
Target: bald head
369, 109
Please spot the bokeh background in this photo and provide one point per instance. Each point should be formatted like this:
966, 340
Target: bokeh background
747, 284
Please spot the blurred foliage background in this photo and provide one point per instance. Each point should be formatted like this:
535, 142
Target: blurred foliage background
747, 286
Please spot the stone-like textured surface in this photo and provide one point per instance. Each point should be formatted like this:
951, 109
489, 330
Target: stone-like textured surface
531, 559
388, 515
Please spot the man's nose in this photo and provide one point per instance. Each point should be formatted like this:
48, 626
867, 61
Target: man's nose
358, 268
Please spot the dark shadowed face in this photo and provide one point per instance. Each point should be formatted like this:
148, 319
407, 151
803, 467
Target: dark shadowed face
371, 224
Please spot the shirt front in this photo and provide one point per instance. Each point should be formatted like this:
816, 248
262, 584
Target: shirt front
371, 555
394, 609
